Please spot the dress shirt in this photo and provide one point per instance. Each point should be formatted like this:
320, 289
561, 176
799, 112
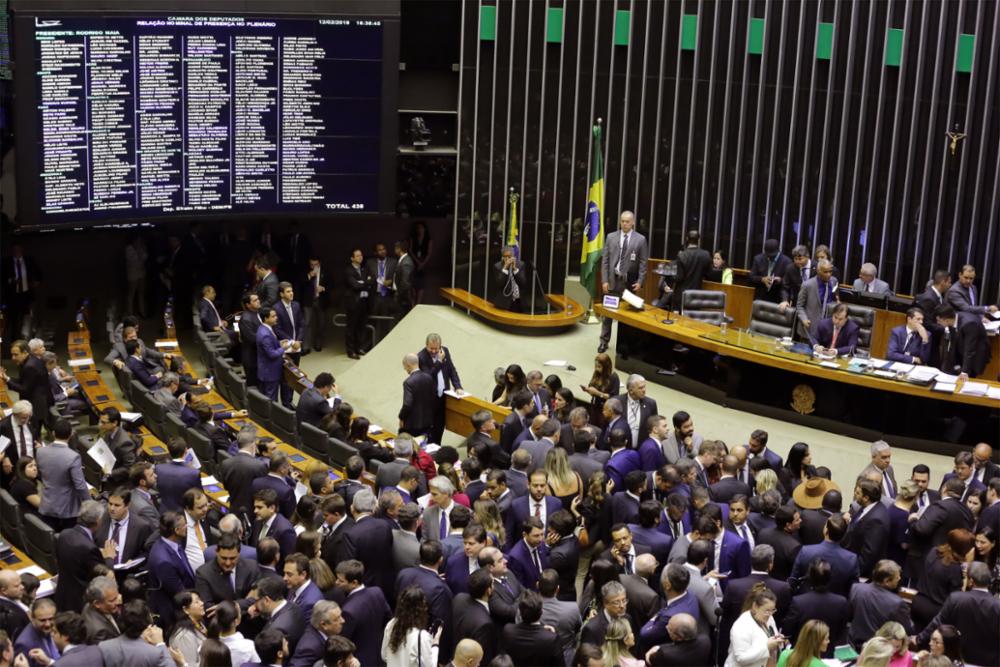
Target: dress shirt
298, 591
538, 509
634, 412
265, 527
193, 551
382, 290
745, 534
24, 442
291, 318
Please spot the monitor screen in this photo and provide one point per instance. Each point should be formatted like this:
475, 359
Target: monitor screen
136, 117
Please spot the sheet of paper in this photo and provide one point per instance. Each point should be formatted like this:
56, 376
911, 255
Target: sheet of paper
944, 377
992, 392
223, 499
46, 587
192, 460
36, 570
208, 480
885, 374
86, 361
131, 416
974, 389
924, 373
374, 429
829, 364
558, 363
992, 327
900, 367
300, 490
4, 443
101, 453
128, 565
165, 343
878, 363
453, 393
945, 387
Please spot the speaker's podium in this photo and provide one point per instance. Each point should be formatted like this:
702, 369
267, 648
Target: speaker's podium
552, 313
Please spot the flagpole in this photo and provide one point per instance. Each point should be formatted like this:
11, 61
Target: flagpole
591, 315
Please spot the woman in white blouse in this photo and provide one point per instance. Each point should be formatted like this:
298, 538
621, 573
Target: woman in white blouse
223, 627
755, 640
405, 642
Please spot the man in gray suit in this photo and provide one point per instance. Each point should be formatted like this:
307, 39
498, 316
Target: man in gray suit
963, 295
437, 516
142, 478
881, 467
869, 282
539, 449
61, 471
623, 265
405, 544
561, 615
874, 603
389, 473
140, 644
682, 441
166, 395
813, 297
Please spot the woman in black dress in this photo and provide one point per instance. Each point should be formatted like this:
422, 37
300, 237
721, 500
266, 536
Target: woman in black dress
368, 449
798, 467
604, 384
943, 575
26, 487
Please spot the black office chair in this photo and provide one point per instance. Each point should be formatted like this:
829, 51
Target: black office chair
340, 451
767, 318
11, 521
283, 423
40, 542
313, 441
705, 305
259, 406
203, 449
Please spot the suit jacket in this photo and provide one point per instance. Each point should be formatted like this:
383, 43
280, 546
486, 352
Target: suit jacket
216, 435
213, 584
366, 613
621, 464
596, 628
356, 283
434, 366
965, 299
169, 574
292, 328
523, 567
290, 621
643, 601
932, 528
899, 351
726, 488
285, 491
813, 522
831, 608
647, 408
693, 264
99, 626
584, 465
405, 549
928, 301
173, 479
844, 568
513, 425
791, 281
877, 286
694, 653
312, 408
419, 402
310, 649
847, 339
868, 537
439, 598
759, 268
564, 558
134, 653
389, 270
123, 447
13, 619
81, 656
658, 543
267, 290
503, 602
63, 485
32, 384
971, 612
517, 482
281, 529
786, 548
370, 541
529, 645
270, 355
633, 260
870, 607
403, 278
249, 325
503, 292
208, 315
654, 631
456, 572
624, 508
31, 638
76, 554
538, 449
306, 600
333, 544
810, 306
237, 474
138, 535
520, 509
141, 373
499, 459
565, 618
670, 448
603, 442
964, 348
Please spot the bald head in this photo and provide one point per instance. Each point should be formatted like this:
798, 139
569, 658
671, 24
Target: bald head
645, 565
468, 653
682, 627
9, 581
410, 362
537, 423
740, 452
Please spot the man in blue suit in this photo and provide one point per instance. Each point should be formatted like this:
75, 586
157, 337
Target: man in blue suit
537, 504
844, 569
734, 552
327, 621
38, 633
366, 612
302, 590
463, 563
837, 333
270, 523
651, 449
175, 477
910, 343
438, 594
291, 327
646, 531
625, 506
530, 555
270, 354
212, 323
70, 635
138, 367
277, 480
169, 569
675, 521
622, 461
757, 446
675, 580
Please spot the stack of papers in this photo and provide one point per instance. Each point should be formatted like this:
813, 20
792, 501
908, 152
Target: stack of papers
924, 373
974, 388
374, 429
946, 387
994, 393
131, 416
453, 393
992, 327
900, 367
166, 343
86, 361
885, 374
829, 364
208, 480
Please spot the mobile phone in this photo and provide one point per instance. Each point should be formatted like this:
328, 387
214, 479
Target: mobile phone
435, 626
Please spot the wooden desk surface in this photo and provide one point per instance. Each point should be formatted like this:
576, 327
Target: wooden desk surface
458, 413
691, 332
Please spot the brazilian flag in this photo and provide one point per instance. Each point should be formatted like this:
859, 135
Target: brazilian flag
593, 228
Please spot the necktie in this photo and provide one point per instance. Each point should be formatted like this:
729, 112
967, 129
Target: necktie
291, 319
115, 534
505, 586
232, 580
537, 561
22, 278
805, 274
263, 533
909, 339
24, 445
677, 530
538, 510
538, 403
443, 530
50, 647
515, 290
382, 291
743, 533
633, 411
972, 295
922, 500
316, 284
621, 254
888, 484
200, 534
833, 340
628, 564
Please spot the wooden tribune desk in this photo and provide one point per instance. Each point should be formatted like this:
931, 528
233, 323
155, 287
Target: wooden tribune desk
751, 372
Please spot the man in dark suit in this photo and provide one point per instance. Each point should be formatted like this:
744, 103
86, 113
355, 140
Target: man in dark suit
118, 440
506, 587
837, 334
327, 621
613, 412
435, 360
270, 522
270, 354
820, 604
38, 634
686, 648
623, 461
537, 504
267, 282
814, 518
365, 610
472, 616
149, 380
416, 417
972, 612
13, 612
872, 604
315, 297
783, 539
439, 596
482, 445
843, 564
336, 519
103, 602
637, 407
314, 402
20, 276
623, 266
70, 636
77, 554
910, 343
521, 405
922, 475
564, 553
290, 327
511, 278
302, 590
934, 295
460, 564
24, 435
962, 344
868, 532
381, 269
129, 533
281, 615
248, 325
799, 270
964, 471
369, 540
212, 323
403, 278
216, 435
766, 271
169, 570
32, 383
238, 472
279, 480
175, 477
645, 530
529, 555
674, 581
528, 642
983, 467
625, 505
930, 529
693, 262
728, 485
358, 287
228, 577
562, 615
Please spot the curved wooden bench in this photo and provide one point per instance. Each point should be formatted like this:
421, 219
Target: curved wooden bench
570, 312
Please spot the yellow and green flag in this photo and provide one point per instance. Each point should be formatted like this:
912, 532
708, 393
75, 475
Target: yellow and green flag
513, 231
593, 227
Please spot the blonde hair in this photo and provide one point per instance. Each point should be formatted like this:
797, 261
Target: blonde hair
892, 630
487, 514
614, 648
876, 652
766, 480
907, 489
557, 466
809, 643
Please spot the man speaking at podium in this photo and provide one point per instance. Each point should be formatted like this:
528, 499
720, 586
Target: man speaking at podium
623, 265
511, 278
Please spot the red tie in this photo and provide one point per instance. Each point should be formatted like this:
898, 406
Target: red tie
833, 341
24, 445
538, 511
